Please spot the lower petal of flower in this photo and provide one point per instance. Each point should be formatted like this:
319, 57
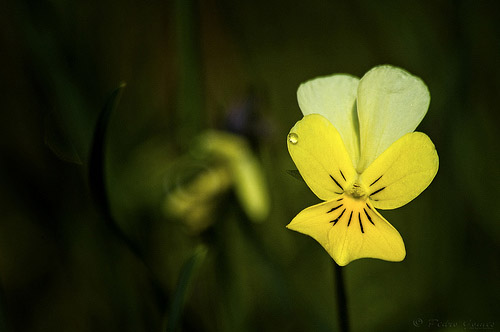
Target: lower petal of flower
350, 229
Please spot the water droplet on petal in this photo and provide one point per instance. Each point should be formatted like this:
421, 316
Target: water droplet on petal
293, 138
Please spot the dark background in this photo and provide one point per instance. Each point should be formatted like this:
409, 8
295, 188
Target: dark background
231, 65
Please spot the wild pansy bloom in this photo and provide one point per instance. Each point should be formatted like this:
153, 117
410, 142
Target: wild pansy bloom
357, 150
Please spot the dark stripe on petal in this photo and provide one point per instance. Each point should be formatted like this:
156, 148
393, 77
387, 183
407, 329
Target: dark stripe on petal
342, 175
334, 221
336, 182
377, 191
376, 180
369, 218
335, 208
349, 222
360, 223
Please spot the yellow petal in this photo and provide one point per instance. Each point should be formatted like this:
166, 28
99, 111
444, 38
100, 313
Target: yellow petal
320, 156
334, 97
391, 103
402, 172
350, 229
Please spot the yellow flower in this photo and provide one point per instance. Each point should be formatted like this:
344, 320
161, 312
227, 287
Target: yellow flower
357, 150
228, 162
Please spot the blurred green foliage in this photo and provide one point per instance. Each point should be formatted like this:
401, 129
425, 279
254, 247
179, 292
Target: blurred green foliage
234, 66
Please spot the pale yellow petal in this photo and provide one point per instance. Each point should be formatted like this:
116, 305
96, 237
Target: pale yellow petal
320, 156
334, 97
391, 103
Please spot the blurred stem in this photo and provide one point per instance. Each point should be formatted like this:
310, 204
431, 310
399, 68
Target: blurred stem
3, 317
190, 93
341, 298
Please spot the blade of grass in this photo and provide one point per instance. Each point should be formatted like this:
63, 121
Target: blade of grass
97, 183
97, 179
181, 293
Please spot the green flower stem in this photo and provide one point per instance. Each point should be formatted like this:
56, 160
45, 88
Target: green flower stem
343, 316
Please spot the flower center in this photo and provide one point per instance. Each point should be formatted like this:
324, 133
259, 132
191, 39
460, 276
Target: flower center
357, 191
